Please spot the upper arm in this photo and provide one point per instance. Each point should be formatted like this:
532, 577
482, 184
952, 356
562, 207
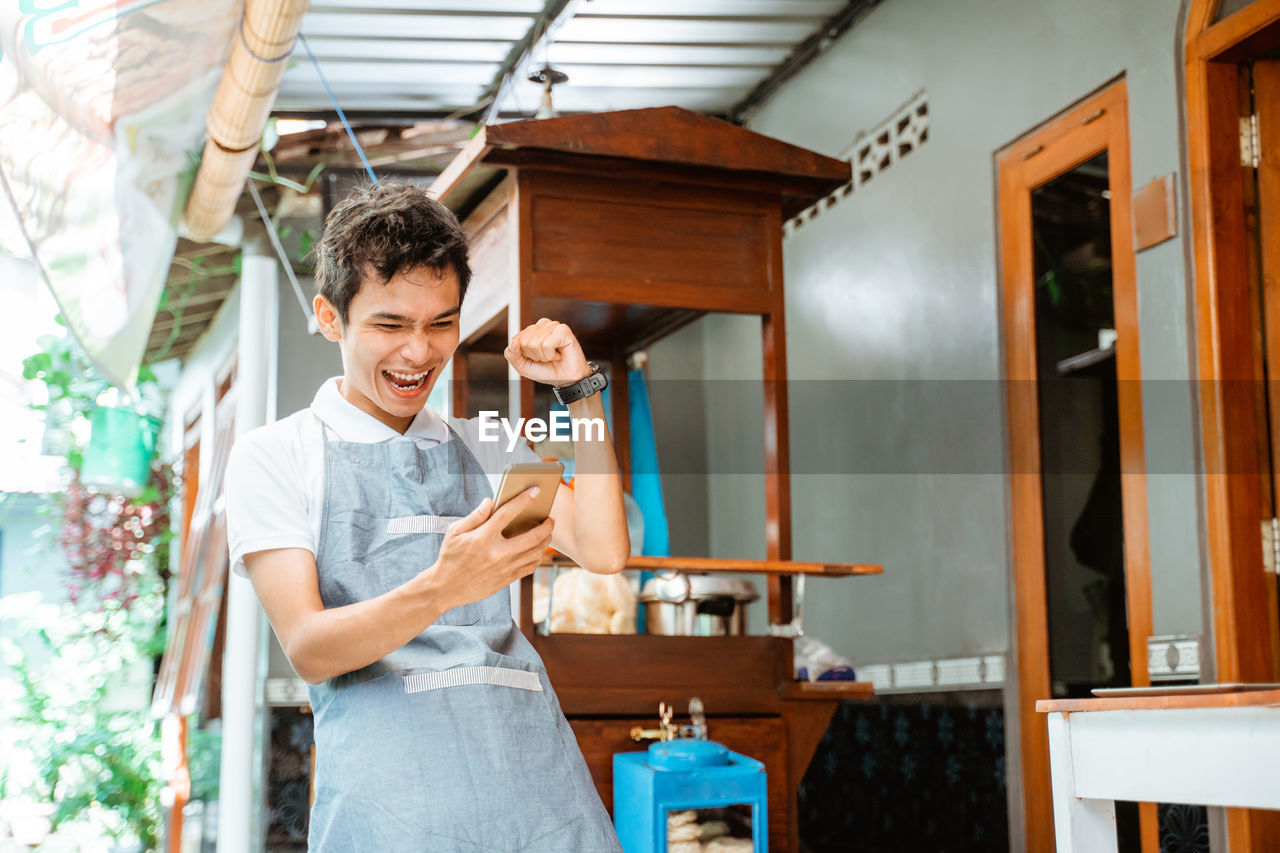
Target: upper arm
269, 531
267, 500
285, 581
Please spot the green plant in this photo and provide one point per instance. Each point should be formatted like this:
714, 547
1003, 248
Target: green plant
204, 757
82, 743
101, 536
197, 271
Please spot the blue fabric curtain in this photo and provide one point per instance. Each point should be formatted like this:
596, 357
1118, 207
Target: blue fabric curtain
646, 482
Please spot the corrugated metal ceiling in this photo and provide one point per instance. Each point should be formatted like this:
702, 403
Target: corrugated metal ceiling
439, 57
416, 75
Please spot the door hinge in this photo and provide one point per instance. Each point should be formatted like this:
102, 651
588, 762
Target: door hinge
1250, 148
1271, 544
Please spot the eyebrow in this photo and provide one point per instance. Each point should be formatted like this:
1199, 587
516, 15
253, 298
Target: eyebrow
400, 318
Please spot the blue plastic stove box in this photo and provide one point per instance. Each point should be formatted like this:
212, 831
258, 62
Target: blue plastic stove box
683, 774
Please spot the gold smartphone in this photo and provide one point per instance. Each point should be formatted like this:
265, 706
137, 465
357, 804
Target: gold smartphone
525, 475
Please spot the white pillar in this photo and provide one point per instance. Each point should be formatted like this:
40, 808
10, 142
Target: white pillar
242, 784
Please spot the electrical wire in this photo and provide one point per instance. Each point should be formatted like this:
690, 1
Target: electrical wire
280, 253
341, 115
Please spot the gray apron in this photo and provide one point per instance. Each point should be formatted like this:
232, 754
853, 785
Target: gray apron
455, 741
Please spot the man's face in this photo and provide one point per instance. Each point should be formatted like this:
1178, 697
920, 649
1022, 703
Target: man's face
396, 340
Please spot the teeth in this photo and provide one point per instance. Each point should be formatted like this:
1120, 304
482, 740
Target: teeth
406, 381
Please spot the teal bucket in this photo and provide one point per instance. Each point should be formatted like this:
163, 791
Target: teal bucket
122, 443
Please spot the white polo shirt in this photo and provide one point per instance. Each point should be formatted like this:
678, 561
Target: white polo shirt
275, 475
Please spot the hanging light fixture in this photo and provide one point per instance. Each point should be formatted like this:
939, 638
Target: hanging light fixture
547, 77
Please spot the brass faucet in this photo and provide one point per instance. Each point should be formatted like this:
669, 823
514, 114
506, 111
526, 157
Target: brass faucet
668, 730
665, 731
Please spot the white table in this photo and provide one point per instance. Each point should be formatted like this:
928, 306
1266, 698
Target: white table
1215, 749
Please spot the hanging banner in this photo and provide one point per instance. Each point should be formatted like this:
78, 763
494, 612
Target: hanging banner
102, 108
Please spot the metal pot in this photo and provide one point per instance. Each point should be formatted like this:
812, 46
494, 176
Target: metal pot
696, 605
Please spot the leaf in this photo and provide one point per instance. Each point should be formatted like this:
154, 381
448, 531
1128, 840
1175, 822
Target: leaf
34, 365
149, 495
313, 174
280, 180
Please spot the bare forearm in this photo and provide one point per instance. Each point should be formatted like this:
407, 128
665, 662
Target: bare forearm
329, 643
599, 518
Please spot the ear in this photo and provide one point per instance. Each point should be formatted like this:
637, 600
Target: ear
327, 318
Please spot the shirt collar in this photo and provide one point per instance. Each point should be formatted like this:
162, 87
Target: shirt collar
352, 424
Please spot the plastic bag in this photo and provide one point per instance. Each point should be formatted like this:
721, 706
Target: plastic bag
816, 661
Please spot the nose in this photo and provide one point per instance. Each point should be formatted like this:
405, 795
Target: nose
417, 348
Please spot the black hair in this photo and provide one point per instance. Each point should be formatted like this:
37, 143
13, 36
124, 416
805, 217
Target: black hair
383, 229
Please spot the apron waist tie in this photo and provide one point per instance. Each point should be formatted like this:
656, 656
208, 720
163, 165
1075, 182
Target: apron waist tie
420, 524
464, 675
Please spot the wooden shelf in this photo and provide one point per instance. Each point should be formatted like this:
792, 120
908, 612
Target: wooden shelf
827, 690
744, 567
764, 567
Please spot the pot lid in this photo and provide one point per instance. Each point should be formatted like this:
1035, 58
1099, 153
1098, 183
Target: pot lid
687, 754
679, 587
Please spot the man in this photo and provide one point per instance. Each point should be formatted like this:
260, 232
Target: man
366, 525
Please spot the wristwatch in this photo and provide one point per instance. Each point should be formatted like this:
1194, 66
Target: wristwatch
596, 381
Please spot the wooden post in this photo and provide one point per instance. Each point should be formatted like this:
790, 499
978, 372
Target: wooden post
520, 315
777, 463
459, 393
620, 410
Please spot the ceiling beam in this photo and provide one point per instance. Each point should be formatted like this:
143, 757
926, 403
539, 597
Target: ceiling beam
804, 53
404, 25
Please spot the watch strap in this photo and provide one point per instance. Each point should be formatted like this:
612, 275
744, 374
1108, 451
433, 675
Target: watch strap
595, 382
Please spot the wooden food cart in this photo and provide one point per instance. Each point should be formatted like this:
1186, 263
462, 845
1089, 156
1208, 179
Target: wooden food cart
627, 226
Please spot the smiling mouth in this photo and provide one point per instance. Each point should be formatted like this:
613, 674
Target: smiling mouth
406, 382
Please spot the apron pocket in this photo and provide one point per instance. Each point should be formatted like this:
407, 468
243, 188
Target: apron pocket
490, 760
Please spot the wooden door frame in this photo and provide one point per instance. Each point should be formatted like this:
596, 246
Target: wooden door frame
1099, 123
1241, 652
1242, 625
